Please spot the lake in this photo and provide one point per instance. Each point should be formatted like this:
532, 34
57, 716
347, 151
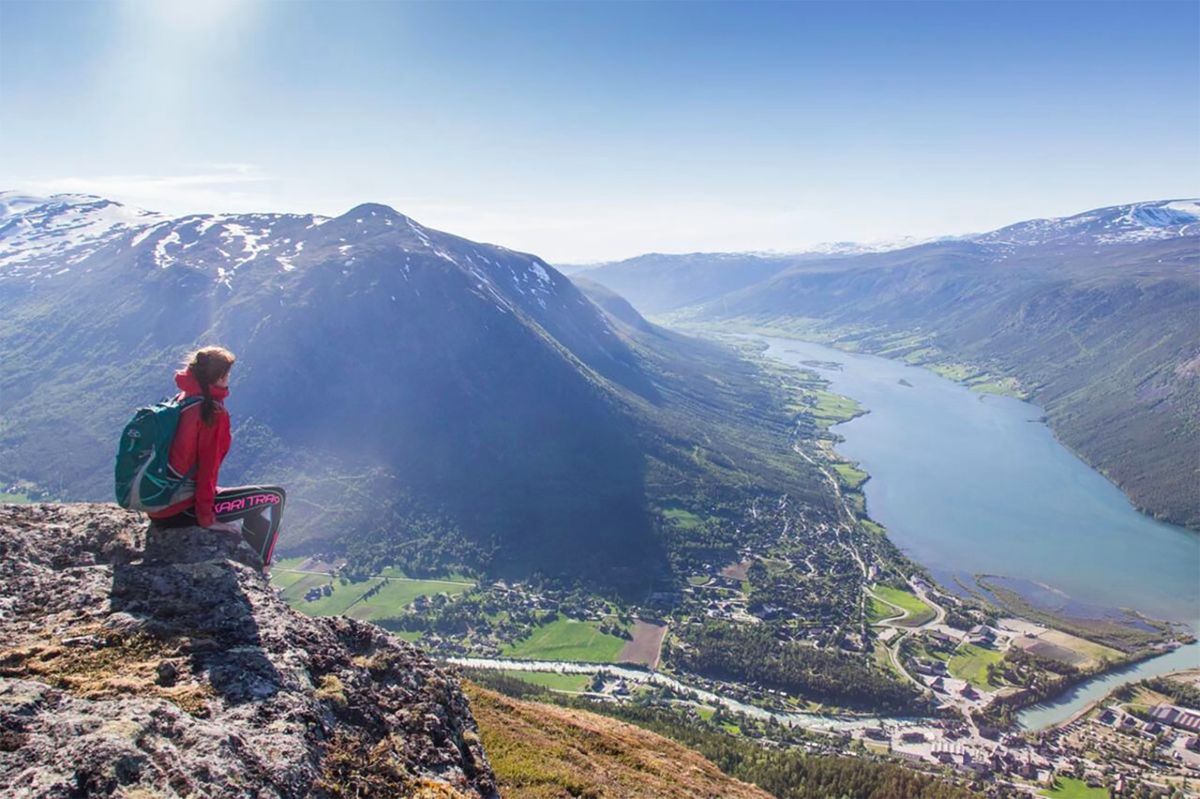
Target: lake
970, 483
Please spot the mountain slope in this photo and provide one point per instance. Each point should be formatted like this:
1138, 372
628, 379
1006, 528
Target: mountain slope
137, 664
542, 751
422, 396
1097, 316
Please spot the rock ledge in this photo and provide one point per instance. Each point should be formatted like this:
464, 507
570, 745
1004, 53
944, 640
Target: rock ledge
161, 663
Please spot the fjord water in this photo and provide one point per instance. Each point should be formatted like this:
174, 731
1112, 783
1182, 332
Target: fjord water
970, 483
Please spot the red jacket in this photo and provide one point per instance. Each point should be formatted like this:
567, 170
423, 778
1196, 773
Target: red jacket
200, 445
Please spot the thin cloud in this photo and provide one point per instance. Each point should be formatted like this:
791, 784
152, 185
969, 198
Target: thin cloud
223, 187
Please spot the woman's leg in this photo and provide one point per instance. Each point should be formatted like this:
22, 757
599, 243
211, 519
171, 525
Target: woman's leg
260, 510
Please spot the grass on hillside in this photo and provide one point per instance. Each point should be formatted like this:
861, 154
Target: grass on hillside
884, 660
1071, 788
541, 751
918, 611
970, 663
878, 610
565, 639
18, 499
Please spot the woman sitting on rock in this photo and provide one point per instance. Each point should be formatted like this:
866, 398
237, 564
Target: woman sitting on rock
201, 441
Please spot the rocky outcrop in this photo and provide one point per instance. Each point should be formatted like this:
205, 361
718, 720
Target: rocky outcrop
139, 663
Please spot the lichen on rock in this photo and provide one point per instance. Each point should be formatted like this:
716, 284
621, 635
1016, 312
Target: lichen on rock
136, 661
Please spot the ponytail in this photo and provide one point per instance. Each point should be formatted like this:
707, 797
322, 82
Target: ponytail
208, 365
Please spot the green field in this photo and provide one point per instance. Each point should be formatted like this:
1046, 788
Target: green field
398, 592
19, 499
918, 611
394, 595
833, 408
877, 610
284, 574
684, 518
1071, 788
555, 682
412, 636
851, 476
970, 663
564, 639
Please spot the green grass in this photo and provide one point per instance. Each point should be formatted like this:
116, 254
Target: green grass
336, 604
872, 527
958, 372
884, 660
684, 518
851, 476
564, 639
1071, 788
1004, 386
412, 636
698, 579
877, 610
970, 663
285, 579
833, 408
399, 592
918, 611
19, 499
555, 682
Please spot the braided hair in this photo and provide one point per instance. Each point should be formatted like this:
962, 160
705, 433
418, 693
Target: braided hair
208, 365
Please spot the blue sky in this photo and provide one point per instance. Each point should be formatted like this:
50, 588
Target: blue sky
594, 131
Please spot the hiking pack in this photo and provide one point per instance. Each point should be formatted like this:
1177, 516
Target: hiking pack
144, 479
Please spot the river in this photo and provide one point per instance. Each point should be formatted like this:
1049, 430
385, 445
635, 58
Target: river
970, 483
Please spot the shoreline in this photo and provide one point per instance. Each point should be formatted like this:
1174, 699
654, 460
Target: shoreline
1042, 419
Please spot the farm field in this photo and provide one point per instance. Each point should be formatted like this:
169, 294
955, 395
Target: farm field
555, 682
396, 593
564, 639
646, 644
392, 593
1067, 648
970, 663
853, 477
833, 408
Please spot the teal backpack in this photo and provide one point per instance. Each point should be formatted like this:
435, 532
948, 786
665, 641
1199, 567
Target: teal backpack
144, 480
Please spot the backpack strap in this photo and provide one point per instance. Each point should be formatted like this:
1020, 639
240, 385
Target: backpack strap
184, 404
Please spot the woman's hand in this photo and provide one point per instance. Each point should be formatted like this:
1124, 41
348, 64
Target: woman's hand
225, 527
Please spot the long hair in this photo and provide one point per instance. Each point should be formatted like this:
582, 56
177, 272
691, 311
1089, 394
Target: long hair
208, 365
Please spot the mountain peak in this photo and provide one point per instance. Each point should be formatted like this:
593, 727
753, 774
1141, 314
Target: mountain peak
163, 662
373, 211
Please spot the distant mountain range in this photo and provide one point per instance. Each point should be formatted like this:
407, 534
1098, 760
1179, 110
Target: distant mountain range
1095, 316
420, 394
